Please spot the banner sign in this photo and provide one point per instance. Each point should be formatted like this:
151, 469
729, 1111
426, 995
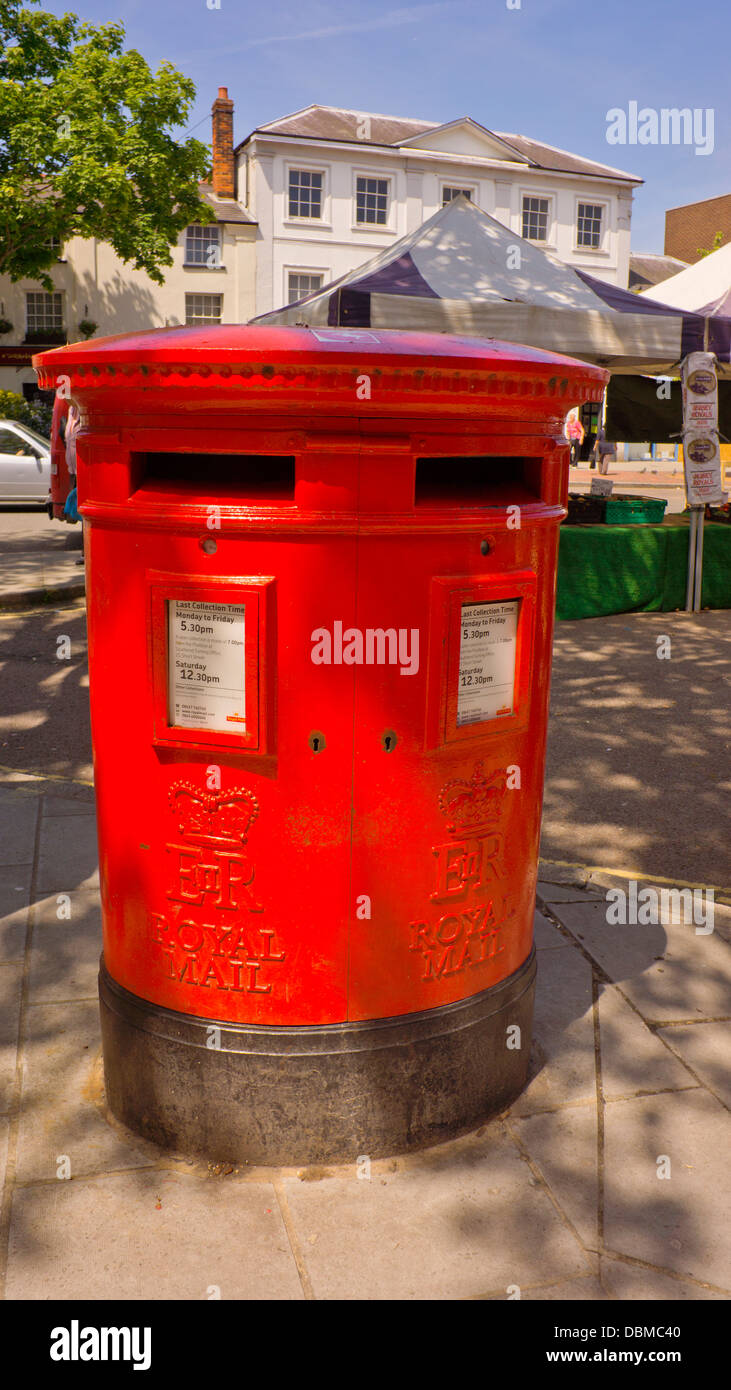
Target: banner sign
701, 446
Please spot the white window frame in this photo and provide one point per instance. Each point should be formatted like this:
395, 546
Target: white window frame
377, 227
57, 295
324, 219
304, 270
548, 197
202, 265
201, 294
603, 248
472, 188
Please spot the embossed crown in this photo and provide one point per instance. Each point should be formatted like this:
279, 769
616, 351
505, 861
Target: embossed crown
219, 819
468, 806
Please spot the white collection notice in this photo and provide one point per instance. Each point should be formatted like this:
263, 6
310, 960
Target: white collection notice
487, 652
206, 670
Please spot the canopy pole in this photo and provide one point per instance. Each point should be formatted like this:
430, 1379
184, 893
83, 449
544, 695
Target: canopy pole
694, 587
698, 576
698, 567
690, 587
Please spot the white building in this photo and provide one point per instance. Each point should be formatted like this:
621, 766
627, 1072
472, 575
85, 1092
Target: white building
307, 198
212, 278
329, 188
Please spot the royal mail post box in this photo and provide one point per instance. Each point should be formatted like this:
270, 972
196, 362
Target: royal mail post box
321, 579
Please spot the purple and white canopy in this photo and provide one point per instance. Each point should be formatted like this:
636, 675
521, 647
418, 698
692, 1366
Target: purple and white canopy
462, 272
702, 288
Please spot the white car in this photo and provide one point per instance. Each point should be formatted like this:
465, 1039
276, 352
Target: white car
25, 464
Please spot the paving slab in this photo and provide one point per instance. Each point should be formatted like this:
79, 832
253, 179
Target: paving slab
462, 1220
705, 1047
637, 1284
150, 1235
60, 1086
547, 937
669, 972
18, 819
80, 805
4, 1133
563, 1145
679, 1223
722, 921
563, 1029
567, 892
68, 857
586, 1290
626, 732
635, 1061
15, 884
11, 984
65, 952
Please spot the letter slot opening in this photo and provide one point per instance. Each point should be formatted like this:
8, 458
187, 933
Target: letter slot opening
240, 477
486, 480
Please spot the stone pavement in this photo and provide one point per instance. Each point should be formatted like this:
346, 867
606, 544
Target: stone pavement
39, 558
562, 1197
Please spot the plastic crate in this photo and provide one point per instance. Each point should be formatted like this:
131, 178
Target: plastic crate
585, 510
625, 510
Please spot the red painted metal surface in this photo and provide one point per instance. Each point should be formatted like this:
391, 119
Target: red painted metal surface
350, 850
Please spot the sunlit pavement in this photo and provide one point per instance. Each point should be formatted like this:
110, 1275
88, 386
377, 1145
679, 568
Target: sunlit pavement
39, 558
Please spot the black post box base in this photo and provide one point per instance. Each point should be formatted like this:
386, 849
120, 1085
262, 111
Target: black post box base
291, 1096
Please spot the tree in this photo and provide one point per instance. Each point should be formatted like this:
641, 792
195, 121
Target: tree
86, 145
15, 407
716, 245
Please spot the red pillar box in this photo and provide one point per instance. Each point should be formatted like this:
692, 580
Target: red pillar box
321, 579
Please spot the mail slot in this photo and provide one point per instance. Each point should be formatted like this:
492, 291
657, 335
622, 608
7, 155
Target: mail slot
321, 584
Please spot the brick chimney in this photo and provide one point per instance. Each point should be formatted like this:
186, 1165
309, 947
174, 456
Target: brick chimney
224, 175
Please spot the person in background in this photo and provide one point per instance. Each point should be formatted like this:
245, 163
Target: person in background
70, 511
574, 431
604, 450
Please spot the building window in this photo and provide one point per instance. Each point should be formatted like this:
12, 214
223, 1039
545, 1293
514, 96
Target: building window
449, 193
53, 244
535, 219
44, 312
371, 201
305, 193
203, 246
301, 283
589, 225
201, 309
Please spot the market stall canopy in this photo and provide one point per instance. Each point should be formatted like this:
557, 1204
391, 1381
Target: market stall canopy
703, 288
463, 272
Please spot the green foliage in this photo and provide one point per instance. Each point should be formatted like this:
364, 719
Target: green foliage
37, 413
41, 413
715, 246
15, 407
86, 147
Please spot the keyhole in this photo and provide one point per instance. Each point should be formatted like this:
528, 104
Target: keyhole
388, 741
316, 741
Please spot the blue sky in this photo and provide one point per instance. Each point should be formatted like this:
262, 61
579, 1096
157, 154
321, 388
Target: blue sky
550, 69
